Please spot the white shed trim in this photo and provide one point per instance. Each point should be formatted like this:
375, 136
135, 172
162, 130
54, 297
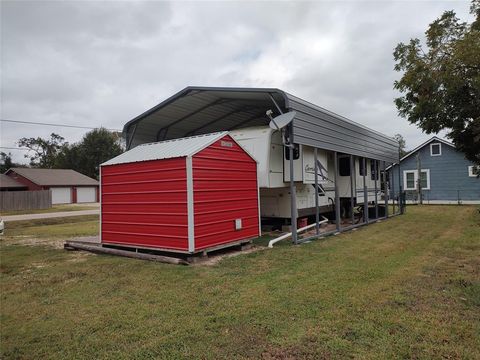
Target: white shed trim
190, 209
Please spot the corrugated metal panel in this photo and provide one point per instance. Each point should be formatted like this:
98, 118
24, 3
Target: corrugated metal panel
321, 128
225, 189
145, 204
203, 109
166, 149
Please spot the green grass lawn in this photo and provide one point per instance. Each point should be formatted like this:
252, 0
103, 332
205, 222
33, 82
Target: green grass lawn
54, 208
408, 287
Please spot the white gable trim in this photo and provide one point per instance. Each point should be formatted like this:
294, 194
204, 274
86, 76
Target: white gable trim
421, 146
426, 143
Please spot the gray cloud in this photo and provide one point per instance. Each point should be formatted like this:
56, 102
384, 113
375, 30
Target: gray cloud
102, 63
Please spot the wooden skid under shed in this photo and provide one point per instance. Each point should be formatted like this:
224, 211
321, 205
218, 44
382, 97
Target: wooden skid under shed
133, 252
99, 249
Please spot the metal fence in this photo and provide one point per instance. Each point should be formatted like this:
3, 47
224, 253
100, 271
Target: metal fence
25, 200
453, 196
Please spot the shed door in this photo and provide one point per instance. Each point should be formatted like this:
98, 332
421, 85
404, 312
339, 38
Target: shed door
86, 194
61, 195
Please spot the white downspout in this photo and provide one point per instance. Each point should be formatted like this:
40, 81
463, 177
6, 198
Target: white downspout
287, 235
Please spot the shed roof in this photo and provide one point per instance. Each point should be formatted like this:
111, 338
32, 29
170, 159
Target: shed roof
200, 110
6, 182
167, 149
55, 177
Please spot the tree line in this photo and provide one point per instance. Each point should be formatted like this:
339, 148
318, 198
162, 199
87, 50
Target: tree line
85, 156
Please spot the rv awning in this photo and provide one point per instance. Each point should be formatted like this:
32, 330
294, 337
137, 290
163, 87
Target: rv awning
202, 110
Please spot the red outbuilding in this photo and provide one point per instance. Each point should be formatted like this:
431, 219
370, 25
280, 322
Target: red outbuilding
184, 195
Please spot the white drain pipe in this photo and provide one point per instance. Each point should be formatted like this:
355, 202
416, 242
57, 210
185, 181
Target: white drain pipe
287, 235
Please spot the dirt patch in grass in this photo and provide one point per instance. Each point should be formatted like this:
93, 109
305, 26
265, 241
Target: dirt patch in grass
49, 232
214, 259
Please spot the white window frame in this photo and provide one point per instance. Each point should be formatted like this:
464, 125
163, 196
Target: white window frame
415, 176
439, 148
405, 172
470, 170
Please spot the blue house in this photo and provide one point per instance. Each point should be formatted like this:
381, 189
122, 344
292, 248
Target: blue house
446, 177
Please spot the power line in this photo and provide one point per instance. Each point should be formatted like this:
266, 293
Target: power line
50, 124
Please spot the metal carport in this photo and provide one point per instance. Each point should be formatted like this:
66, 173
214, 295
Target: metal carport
202, 110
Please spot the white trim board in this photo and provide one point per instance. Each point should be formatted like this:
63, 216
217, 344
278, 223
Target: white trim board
190, 208
421, 146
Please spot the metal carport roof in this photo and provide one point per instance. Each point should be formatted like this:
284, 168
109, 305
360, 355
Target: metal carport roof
202, 110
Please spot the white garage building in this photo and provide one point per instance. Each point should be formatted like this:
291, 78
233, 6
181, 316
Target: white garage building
67, 186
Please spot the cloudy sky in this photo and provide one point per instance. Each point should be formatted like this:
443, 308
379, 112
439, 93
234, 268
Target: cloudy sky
101, 63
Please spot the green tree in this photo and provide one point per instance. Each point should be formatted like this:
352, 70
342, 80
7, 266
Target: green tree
96, 147
440, 85
5, 162
401, 144
43, 152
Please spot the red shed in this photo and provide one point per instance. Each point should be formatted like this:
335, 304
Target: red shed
183, 195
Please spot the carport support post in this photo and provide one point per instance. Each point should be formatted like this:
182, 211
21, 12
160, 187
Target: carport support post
375, 168
317, 214
352, 200
365, 192
337, 197
293, 191
385, 187
393, 189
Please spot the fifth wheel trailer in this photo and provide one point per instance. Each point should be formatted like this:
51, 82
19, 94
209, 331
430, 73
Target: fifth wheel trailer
265, 145
349, 156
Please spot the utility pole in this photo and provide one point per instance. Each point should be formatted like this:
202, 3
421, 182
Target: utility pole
419, 180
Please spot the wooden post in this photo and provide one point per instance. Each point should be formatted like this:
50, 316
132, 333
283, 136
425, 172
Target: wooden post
419, 180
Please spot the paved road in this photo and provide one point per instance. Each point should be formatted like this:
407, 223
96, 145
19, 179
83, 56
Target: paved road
50, 215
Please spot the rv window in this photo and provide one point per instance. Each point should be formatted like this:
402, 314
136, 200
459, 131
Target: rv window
296, 152
373, 176
344, 166
361, 167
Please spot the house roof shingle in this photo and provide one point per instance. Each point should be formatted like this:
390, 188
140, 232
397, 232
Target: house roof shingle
55, 177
